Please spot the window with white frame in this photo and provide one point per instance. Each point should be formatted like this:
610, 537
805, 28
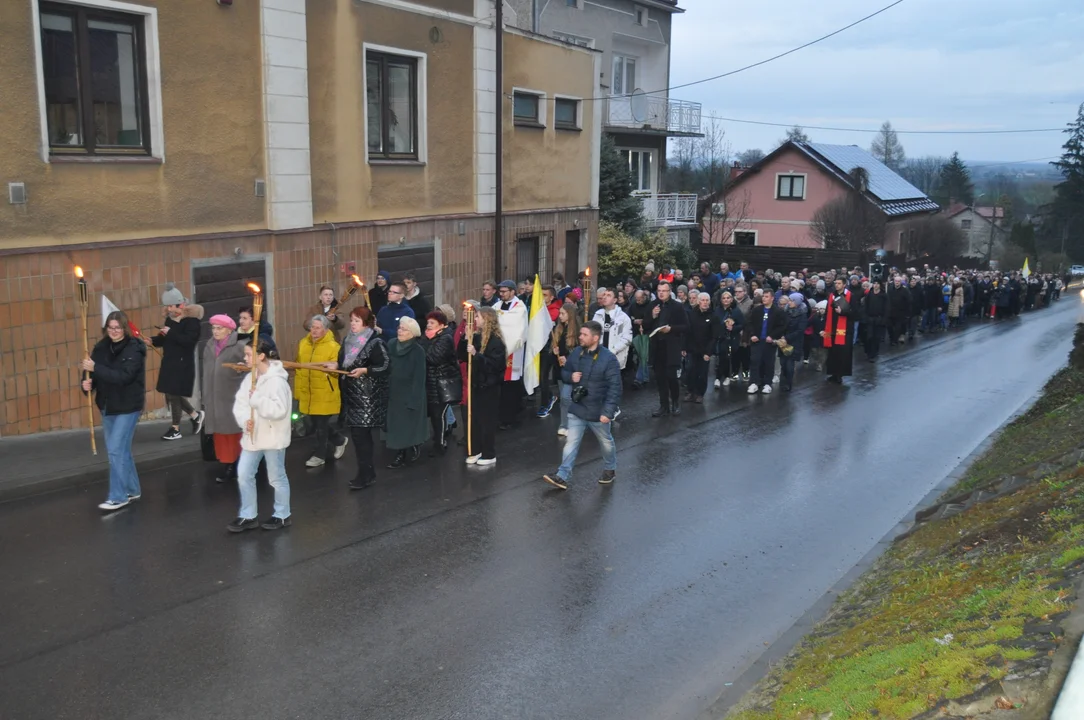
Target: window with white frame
623, 81
641, 165
392, 106
790, 187
745, 238
965, 224
566, 113
96, 82
528, 108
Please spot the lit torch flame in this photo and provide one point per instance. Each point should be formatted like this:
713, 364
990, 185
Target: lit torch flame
78, 272
254, 288
587, 272
358, 281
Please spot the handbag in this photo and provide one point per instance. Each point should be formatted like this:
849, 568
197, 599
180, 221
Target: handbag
450, 389
207, 446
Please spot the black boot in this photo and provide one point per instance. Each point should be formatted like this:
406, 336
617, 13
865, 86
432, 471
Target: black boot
360, 483
663, 410
675, 407
399, 461
227, 473
414, 453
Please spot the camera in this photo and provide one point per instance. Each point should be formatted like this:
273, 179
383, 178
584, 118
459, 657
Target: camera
579, 392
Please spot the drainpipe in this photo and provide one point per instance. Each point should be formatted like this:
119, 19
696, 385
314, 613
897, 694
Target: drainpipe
534, 16
498, 217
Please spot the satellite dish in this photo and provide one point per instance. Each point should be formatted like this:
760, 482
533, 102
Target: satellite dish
638, 104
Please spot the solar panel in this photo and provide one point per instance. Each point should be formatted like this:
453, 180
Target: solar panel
883, 182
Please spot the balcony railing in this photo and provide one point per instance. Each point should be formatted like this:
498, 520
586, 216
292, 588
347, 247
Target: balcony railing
654, 112
673, 209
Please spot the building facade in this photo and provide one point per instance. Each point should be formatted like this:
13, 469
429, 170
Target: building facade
633, 37
773, 203
285, 142
982, 225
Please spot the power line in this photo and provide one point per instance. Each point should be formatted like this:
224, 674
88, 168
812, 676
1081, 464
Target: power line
898, 132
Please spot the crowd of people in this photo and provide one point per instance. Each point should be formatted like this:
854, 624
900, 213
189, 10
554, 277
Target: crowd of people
396, 366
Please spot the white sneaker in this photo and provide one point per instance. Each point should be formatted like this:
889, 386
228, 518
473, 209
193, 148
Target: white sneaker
340, 450
775, 379
767, 390
486, 461
753, 389
805, 362
110, 506
726, 382
473, 459
562, 432
314, 461
719, 384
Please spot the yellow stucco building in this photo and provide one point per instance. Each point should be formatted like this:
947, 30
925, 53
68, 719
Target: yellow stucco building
208, 143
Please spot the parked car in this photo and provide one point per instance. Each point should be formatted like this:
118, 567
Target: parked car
1076, 270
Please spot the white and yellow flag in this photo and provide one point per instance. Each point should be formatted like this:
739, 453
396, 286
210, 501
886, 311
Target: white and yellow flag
1026, 272
539, 327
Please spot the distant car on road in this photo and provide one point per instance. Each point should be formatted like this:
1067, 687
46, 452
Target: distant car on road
1076, 270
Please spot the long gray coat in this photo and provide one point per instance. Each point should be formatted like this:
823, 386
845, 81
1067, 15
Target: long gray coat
220, 385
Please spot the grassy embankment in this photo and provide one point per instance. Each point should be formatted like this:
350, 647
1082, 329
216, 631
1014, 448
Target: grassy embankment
960, 604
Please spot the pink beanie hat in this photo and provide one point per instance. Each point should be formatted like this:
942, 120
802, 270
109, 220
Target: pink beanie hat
223, 321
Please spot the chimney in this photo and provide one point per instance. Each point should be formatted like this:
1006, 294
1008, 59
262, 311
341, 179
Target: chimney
736, 170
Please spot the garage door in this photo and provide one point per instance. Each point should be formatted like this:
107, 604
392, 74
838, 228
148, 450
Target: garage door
222, 288
419, 260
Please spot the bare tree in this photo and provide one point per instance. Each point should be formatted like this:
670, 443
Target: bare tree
924, 172
886, 147
681, 173
852, 222
723, 213
935, 237
719, 210
751, 157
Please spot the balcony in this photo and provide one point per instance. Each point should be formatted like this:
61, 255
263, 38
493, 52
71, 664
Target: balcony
668, 210
655, 114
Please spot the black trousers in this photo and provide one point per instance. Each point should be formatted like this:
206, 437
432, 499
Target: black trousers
874, 331
363, 450
179, 406
485, 403
438, 421
762, 363
745, 357
325, 431
697, 381
511, 401
728, 363
666, 379
550, 373
897, 327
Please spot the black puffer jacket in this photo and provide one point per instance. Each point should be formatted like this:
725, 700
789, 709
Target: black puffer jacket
119, 377
443, 383
365, 399
488, 365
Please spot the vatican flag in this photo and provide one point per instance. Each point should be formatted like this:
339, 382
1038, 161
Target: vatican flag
1026, 272
539, 327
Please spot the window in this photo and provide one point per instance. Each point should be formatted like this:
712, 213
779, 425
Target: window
745, 238
391, 96
533, 255
528, 108
95, 78
965, 224
566, 113
641, 16
624, 75
640, 164
790, 187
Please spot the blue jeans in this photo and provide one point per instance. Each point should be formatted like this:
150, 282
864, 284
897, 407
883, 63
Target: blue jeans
119, 431
276, 475
576, 428
564, 391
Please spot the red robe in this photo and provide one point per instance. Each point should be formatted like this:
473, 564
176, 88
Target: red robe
837, 327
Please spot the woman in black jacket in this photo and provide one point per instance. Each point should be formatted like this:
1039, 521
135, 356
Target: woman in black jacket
700, 345
728, 340
485, 345
874, 317
117, 367
364, 390
443, 384
178, 338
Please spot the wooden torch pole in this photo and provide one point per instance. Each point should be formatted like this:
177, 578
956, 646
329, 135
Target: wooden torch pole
257, 312
84, 301
469, 320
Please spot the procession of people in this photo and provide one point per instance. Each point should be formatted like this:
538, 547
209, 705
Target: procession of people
395, 369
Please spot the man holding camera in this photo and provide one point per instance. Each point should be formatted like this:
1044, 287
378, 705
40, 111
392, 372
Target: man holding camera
595, 376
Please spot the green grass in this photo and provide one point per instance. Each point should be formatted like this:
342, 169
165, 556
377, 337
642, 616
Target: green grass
982, 576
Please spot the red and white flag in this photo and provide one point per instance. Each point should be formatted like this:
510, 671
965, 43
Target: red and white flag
109, 307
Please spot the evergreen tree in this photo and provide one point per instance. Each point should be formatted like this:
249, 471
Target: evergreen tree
1068, 205
615, 200
886, 147
954, 183
796, 134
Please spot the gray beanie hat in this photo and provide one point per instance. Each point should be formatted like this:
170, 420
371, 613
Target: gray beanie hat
172, 296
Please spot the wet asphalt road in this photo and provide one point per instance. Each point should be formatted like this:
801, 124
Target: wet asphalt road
455, 592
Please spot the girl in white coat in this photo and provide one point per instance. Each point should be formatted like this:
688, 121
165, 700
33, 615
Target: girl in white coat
264, 413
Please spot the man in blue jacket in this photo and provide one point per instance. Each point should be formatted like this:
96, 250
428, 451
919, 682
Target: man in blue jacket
595, 377
388, 317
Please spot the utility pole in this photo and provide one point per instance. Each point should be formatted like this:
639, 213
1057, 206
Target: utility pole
498, 215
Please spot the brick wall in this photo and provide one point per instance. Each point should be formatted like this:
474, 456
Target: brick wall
41, 333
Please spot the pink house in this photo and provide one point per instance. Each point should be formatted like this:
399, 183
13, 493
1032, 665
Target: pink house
773, 202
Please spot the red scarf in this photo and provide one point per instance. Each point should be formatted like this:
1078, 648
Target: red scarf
834, 335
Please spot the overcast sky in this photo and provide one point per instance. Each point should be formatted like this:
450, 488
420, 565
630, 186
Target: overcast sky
924, 65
